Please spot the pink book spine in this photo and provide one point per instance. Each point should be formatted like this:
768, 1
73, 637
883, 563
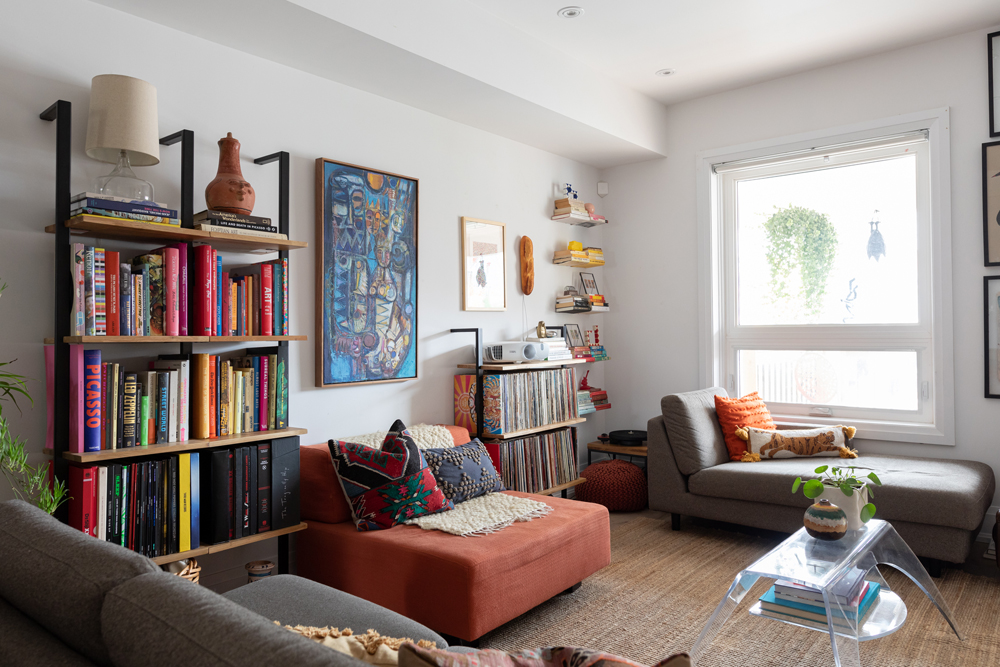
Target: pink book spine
50, 396
76, 395
267, 300
79, 317
182, 281
284, 298
226, 308
215, 293
264, 378
171, 279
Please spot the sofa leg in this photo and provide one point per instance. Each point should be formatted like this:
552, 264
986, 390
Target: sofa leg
675, 521
572, 589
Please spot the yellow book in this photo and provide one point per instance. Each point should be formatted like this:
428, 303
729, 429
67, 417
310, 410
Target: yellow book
185, 500
200, 396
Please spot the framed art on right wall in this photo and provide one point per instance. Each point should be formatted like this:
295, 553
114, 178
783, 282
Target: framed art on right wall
993, 53
991, 335
991, 203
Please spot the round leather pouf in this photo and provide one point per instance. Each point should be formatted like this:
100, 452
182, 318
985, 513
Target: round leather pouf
618, 485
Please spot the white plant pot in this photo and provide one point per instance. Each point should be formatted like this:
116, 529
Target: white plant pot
851, 504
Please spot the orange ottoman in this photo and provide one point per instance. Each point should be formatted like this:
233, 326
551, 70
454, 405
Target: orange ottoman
618, 485
458, 586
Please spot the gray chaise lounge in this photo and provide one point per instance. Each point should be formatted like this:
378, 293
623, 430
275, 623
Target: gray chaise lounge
936, 505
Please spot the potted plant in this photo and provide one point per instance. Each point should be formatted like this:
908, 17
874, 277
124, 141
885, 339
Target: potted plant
842, 487
29, 483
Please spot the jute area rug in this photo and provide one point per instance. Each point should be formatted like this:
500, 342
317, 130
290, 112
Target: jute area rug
662, 586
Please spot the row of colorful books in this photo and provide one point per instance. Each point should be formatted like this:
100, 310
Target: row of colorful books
149, 295
179, 398
590, 401
517, 401
106, 206
537, 462
174, 504
854, 598
590, 353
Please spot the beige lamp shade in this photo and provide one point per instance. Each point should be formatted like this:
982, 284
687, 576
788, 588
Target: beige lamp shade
123, 118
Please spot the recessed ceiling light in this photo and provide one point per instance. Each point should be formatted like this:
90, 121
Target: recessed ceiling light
665, 72
570, 12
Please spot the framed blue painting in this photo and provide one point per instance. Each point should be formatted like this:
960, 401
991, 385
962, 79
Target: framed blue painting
366, 285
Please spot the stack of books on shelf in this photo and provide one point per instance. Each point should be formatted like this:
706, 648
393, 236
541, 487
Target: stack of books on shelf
105, 206
234, 223
598, 304
178, 398
567, 302
598, 353
148, 295
557, 347
584, 403
599, 397
517, 401
575, 212
589, 256
173, 504
789, 601
537, 462
595, 256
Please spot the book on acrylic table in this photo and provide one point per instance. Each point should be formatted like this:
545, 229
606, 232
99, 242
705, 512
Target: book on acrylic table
92, 400
846, 590
818, 612
78, 319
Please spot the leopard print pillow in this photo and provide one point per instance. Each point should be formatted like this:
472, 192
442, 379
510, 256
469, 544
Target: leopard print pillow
824, 441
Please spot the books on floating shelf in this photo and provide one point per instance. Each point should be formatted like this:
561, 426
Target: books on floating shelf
585, 257
575, 212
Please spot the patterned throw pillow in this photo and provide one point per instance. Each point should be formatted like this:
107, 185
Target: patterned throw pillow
772, 444
387, 486
734, 413
416, 656
463, 472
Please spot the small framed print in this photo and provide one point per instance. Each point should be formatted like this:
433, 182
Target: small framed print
991, 334
993, 65
589, 283
991, 203
574, 337
484, 262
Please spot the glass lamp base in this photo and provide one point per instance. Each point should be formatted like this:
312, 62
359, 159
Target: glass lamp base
122, 182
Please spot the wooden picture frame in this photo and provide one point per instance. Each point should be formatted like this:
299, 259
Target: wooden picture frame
991, 335
991, 203
484, 265
366, 275
993, 67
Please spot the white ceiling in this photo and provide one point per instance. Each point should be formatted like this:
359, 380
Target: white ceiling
584, 88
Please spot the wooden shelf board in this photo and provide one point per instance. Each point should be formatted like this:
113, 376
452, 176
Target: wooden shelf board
617, 449
539, 429
135, 230
562, 487
525, 366
225, 546
177, 339
177, 447
580, 265
47, 451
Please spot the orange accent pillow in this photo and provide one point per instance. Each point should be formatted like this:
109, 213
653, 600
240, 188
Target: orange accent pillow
734, 413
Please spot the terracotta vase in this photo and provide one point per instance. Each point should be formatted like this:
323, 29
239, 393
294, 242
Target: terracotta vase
229, 191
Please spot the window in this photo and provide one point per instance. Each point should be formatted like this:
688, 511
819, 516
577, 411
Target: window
827, 280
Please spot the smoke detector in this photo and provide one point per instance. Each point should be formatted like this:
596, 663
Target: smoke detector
570, 12
665, 72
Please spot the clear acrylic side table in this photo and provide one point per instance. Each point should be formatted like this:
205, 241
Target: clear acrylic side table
822, 565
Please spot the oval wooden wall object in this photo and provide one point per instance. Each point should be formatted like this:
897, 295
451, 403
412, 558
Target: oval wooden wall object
527, 265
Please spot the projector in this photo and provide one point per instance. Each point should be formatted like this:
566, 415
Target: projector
515, 351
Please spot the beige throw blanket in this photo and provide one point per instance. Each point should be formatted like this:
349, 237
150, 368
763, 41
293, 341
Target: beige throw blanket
483, 515
427, 436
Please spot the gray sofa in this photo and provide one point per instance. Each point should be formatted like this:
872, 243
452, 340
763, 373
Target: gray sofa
936, 505
69, 599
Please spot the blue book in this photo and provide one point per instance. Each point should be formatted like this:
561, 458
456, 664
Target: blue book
218, 302
144, 208
818, 612
92, 401
241, 310
126, 308
256, 393
195, 500
163, 408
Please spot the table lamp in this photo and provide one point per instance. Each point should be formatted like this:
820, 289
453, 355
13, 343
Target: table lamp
123, 129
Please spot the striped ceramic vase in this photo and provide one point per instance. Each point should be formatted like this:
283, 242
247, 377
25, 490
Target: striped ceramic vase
825, 521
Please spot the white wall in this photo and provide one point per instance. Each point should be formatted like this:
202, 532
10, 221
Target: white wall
653, 251
50, 51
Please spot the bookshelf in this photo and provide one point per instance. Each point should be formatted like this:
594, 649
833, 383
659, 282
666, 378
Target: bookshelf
66, 228
496, 442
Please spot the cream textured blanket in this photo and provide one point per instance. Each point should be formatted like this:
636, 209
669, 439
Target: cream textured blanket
427, 436
483, 515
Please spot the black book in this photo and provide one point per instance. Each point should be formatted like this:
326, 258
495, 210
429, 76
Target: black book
130, 410
263, 487
175, 508
156, 507
119, 434
109, 505
216, 505
237, 493
285, 482
246, 491
162, 407
164, 514
252, 525
141, 504
122, 515
130, 509
235, 220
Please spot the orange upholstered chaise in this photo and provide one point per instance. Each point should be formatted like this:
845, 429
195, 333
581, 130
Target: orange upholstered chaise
458, 586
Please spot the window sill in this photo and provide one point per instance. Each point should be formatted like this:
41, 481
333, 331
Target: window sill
892, 431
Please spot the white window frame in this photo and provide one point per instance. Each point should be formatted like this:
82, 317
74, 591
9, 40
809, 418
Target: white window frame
934, 423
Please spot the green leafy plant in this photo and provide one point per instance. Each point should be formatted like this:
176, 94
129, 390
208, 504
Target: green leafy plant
29, 483
840, 478
800, 239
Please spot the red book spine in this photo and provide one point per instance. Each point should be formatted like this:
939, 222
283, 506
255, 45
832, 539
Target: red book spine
262, 403
112, 277
82, 503
267, 300
171, 288
76, 396
215, 293
202, 306
211, 397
